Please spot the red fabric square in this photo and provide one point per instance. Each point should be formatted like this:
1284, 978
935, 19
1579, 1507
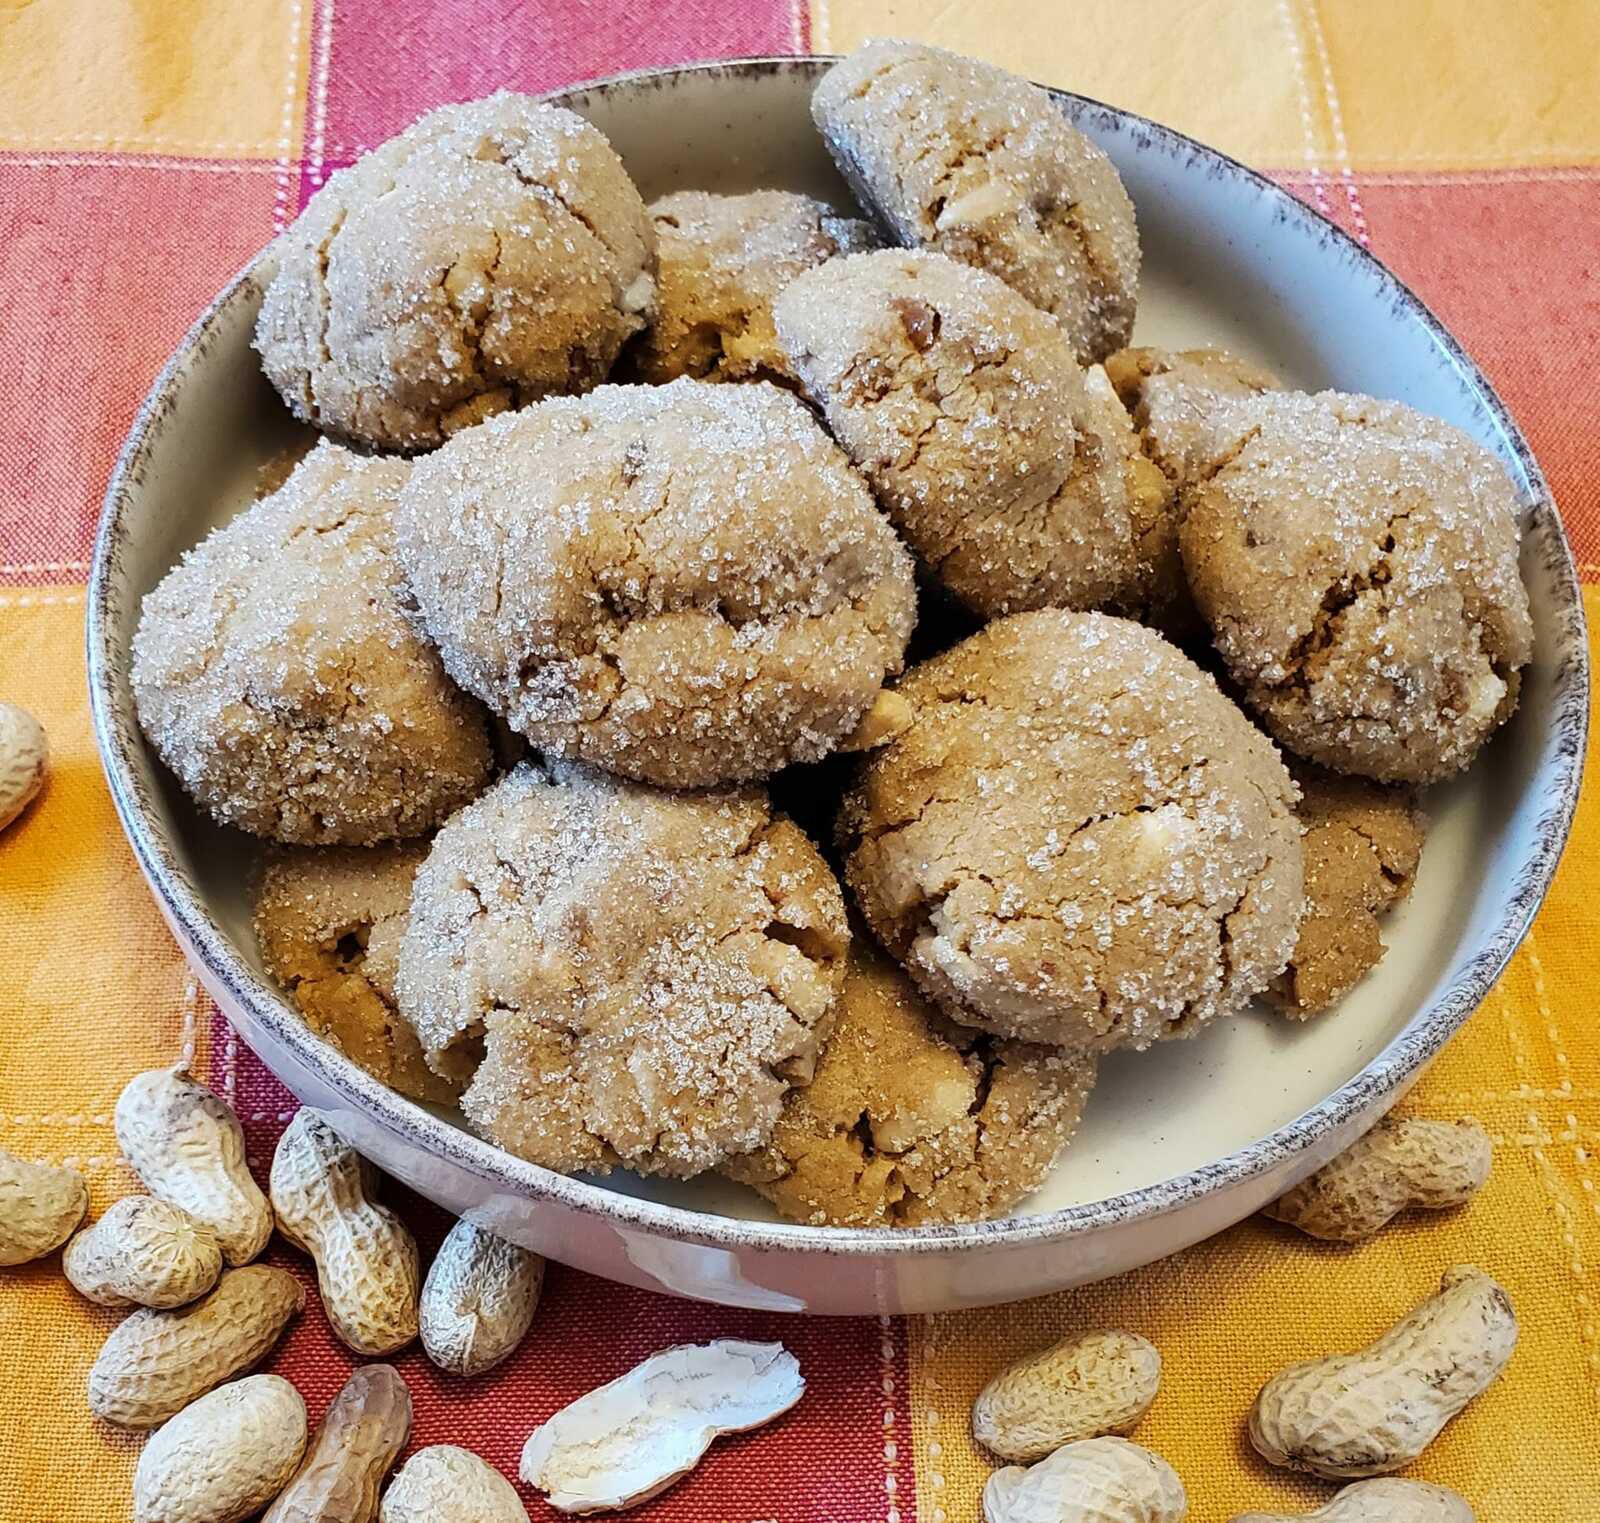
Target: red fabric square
385, 63
104, 267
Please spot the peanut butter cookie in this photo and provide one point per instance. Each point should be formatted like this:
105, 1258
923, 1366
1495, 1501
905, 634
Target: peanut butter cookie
648, 973
959, 156
685, 584
276, 673
1356, 562
722, 260
492, 253
1014, 474
912, 1119
329, 921
1362, 844
1078, 840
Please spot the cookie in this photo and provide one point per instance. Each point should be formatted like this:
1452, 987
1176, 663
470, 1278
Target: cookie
648, 973
1362, 844
721, 261
1171, 396
329, 922
912, 1119
686, 584
275, 671
1079, 840
1356, 562
1013, 474
492, 253
959, 156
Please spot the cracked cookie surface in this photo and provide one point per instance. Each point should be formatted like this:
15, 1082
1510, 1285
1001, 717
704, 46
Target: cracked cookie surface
1356, 562
722, 260
647, 973
492, 253
959, 156
276, 674
1078, 840
1362, 844
912, 1119
329, 922
686, 584
1013, 473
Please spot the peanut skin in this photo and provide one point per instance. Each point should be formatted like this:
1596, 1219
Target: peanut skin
187, 1146
479, 1299
1396, 1166
366, 1260
1097, 1480
1385, 1500
143, 1252
157, 1362
1085, 1386
358, 1440
1376, 1410
40, 1207
224, 1457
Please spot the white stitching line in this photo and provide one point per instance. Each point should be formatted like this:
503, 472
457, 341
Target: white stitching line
930, 1417
1319, 187
41, 599
1336, 121
319, 93
821, 27
891, 1449
67, 159
286, 162
23, 568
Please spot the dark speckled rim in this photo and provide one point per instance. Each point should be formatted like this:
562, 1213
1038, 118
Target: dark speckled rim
111, 617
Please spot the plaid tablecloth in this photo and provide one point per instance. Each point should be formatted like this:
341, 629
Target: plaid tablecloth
147, 147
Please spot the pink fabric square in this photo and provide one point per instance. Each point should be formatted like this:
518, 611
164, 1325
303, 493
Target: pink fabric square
104, 267
383, 64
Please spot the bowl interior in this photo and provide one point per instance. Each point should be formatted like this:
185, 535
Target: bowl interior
1227, 260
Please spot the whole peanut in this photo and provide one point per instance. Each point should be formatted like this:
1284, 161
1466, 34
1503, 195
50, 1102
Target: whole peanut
40, 1207
1385, 1500
1096, 1480
478, 1300
1396, 1166
366, 1259
224, 1457
1085, 1386
187, 1146
157, 1362
359, 1438
1376, 1410
143, 1252
24, 761
444, 1484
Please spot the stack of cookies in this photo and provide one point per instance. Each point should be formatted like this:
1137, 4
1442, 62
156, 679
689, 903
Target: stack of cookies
626, 516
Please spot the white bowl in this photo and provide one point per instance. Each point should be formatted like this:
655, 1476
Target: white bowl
1178, 1142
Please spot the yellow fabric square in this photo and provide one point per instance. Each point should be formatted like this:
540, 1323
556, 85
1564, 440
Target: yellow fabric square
1442, 84
189, 78
92, 985
1224, 71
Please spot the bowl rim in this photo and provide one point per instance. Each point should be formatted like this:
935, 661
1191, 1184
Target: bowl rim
1382, 1078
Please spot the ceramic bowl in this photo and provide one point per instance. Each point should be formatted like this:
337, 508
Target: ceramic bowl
1178, 1143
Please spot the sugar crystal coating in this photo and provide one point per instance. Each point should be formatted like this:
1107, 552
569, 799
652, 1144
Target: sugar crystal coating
1079, 840
277, 675
1015, 475
912, 1119
722, 259
957, 155
646, 973
492, 253
1356, 561
686, 584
